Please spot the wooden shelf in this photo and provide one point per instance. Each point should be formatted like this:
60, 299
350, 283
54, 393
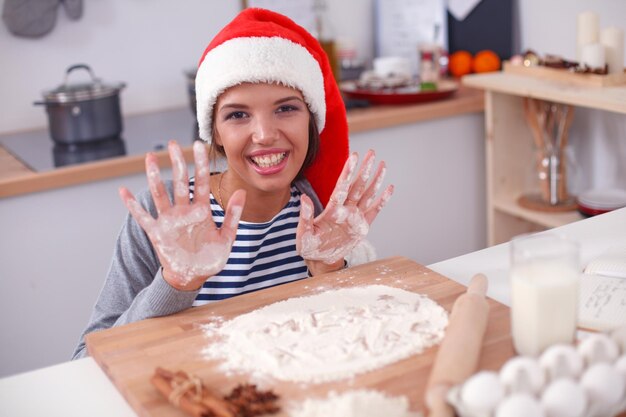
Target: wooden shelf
510, 150
508, 204
11, 167
465, 100
602, 98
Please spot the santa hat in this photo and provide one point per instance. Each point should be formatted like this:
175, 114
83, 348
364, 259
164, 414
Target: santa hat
263, 46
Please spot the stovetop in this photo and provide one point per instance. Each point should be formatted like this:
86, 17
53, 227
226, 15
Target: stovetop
141, 134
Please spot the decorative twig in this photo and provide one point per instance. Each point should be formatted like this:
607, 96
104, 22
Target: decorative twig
549, 124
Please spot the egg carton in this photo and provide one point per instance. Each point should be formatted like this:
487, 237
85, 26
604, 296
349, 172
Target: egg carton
588, 380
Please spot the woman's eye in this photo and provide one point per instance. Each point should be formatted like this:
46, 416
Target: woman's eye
287, 108
235, 115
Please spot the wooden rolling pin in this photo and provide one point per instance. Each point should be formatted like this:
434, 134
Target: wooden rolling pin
459, 352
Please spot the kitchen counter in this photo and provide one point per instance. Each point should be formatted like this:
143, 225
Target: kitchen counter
80, 388
16, 177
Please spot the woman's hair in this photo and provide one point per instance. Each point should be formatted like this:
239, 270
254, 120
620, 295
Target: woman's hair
217, 151
261, 46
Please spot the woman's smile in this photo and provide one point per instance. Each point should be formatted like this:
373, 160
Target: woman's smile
269, 162
264, 130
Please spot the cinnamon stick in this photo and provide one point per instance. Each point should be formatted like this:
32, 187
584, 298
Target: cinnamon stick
196, 404
191, 396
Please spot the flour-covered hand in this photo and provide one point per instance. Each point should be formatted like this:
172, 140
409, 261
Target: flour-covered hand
353, 206
189, 245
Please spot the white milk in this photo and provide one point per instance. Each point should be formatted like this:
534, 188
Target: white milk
544, 304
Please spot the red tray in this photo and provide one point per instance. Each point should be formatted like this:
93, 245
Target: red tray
406, 95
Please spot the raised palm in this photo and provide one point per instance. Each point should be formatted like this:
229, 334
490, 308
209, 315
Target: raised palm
345, 221
188, 243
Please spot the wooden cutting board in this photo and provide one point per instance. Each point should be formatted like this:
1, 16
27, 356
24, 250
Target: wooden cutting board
129, 354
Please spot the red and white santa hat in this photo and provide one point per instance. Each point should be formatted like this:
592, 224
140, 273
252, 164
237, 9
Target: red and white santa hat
263, 46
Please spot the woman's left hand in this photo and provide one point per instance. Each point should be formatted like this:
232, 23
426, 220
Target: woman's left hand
353, 206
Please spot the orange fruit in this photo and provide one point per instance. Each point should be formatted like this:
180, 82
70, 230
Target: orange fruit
460, 63
486, 61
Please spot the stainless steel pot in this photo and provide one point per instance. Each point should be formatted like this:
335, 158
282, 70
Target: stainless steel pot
84, 112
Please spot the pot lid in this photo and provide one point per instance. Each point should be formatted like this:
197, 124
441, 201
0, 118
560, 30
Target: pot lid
69, 93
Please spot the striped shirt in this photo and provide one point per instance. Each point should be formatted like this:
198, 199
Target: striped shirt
263, 254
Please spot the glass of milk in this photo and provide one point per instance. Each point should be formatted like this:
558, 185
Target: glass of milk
545, 270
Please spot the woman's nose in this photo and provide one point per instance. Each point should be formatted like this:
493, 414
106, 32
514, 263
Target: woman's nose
264, 130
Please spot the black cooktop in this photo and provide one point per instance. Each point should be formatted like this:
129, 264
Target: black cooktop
141, 133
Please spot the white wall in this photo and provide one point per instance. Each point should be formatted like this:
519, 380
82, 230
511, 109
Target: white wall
598, 139
55, 247
147, 44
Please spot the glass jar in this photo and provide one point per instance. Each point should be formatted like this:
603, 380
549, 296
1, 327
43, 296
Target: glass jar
323, 31
429, 55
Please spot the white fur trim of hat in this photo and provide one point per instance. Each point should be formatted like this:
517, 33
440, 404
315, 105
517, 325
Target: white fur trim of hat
258, 60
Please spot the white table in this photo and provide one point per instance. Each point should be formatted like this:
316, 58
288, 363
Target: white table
80, 388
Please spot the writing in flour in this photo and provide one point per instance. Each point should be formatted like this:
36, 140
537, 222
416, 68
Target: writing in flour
328, 336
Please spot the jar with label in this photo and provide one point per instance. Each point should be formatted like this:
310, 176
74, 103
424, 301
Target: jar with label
325, 35
429, 65
350, 65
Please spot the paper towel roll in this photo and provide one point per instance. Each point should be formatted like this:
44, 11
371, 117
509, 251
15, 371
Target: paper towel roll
612, 39
586, 31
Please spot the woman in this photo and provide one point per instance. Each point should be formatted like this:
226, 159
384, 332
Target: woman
291, 203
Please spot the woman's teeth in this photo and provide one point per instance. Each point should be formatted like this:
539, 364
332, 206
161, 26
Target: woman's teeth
266, 161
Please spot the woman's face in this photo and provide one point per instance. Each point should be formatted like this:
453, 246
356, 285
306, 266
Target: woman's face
264, 130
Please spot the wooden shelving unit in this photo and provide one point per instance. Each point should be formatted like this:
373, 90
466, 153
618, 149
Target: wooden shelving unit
509, 145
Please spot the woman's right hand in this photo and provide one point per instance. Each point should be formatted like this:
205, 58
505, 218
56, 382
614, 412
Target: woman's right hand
189, 245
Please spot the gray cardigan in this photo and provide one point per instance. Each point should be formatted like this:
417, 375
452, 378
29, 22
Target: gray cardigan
134, 288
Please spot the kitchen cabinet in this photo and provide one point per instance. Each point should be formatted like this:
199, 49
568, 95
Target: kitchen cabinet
143, 132
509, 146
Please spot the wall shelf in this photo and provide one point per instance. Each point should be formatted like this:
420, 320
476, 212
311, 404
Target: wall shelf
509, 145
508, 204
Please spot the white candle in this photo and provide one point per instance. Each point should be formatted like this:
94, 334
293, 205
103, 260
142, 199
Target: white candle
612, 39
593, 56
587, 31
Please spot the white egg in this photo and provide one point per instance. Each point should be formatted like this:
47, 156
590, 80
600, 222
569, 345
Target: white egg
598, 347
519, 405
620, 365
619, 336
522, 374
564, 398
561, 361
481, 393
604, 386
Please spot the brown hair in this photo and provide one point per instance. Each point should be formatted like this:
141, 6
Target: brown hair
217, 151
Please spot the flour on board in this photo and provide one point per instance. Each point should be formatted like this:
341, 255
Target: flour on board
328, 336
358, 403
